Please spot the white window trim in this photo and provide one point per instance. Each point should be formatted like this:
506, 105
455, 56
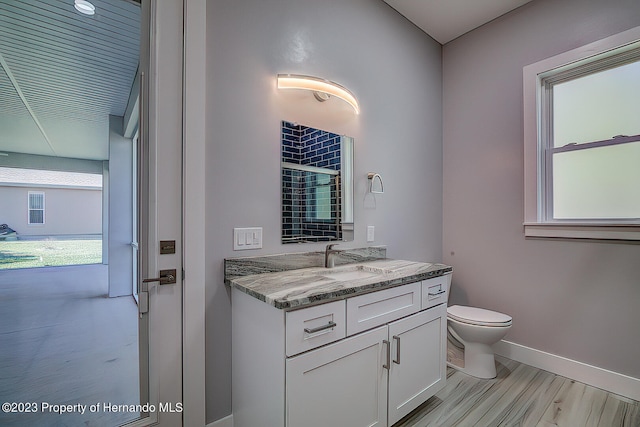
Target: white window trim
29, 208
534, 223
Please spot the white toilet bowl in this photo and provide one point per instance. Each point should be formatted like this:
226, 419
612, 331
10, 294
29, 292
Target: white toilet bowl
477, 330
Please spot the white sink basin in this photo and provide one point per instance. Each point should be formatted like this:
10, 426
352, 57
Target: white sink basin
356, 272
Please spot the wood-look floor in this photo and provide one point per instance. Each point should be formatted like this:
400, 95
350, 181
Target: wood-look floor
522, 396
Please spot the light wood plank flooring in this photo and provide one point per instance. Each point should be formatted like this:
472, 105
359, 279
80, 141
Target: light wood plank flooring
522, 396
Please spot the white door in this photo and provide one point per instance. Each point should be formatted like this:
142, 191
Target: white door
342, 384
418, 368
71, 352
160, 212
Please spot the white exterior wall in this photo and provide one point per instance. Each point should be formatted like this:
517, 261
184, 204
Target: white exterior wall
68, 211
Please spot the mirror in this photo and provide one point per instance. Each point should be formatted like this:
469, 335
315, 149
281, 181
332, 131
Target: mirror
317, 185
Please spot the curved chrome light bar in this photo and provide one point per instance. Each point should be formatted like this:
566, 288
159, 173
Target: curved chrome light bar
318, 85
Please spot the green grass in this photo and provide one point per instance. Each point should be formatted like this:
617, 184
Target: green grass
43, 253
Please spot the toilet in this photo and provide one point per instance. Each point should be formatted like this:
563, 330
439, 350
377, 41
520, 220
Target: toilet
472, 332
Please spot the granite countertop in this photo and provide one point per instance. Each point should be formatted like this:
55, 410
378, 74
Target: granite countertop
297, 288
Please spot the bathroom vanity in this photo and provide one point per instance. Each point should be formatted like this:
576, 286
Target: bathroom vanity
356, 345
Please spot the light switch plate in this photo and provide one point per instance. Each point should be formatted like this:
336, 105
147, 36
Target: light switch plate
370, 233
247, 238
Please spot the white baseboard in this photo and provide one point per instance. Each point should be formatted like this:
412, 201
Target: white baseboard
592, 375
222, 422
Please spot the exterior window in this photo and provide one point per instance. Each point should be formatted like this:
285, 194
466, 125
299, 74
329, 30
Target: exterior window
592, 153
586, 137
36, 207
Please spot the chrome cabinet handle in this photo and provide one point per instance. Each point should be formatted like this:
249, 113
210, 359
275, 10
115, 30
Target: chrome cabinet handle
397, 359
320, 328
387, 366
436, 293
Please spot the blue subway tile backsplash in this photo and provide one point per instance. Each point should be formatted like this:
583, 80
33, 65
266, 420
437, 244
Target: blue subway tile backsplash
307, 144
310, 200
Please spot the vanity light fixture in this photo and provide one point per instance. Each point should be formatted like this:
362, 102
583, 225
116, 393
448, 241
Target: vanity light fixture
322, 89
85, 7
371, 176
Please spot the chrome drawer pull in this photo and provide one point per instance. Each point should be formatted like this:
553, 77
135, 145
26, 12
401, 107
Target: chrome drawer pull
436, 294
320, 328
397, 359
388, 364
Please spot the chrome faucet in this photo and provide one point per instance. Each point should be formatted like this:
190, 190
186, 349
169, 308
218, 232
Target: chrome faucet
329, 259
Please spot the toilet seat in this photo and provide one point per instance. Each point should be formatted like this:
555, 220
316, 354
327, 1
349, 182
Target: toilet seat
478, 316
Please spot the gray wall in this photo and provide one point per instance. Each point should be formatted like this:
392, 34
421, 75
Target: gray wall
577, 299
68, 211
395, 71
73, 220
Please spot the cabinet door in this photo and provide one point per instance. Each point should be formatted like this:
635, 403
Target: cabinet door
418, 367
341, 384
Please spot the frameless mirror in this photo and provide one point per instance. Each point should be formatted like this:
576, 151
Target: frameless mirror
317, 185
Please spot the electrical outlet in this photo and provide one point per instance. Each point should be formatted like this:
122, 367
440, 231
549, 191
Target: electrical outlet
370, 233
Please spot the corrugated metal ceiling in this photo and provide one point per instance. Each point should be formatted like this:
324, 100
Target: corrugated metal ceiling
63, 73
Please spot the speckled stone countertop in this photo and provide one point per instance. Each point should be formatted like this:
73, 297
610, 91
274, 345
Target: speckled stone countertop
296, 288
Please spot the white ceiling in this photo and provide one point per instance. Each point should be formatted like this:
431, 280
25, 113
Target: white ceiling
63, 73
445, 20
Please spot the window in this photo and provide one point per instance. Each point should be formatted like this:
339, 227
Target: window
36, 207
582, 142
592, 149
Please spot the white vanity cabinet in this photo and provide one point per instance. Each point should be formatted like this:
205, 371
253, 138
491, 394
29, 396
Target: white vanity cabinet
418, 368
342, 384
367, 360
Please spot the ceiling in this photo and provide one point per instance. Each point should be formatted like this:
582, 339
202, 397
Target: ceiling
63, 73
445, 20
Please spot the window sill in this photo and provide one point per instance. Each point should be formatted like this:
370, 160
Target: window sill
583, 231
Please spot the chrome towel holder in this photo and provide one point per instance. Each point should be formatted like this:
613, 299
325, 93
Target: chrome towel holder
372, 177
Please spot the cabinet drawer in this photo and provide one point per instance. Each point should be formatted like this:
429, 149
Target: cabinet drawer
435, 291
312, 327
377, 308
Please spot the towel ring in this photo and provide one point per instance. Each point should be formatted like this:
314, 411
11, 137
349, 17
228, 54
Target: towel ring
372, 177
